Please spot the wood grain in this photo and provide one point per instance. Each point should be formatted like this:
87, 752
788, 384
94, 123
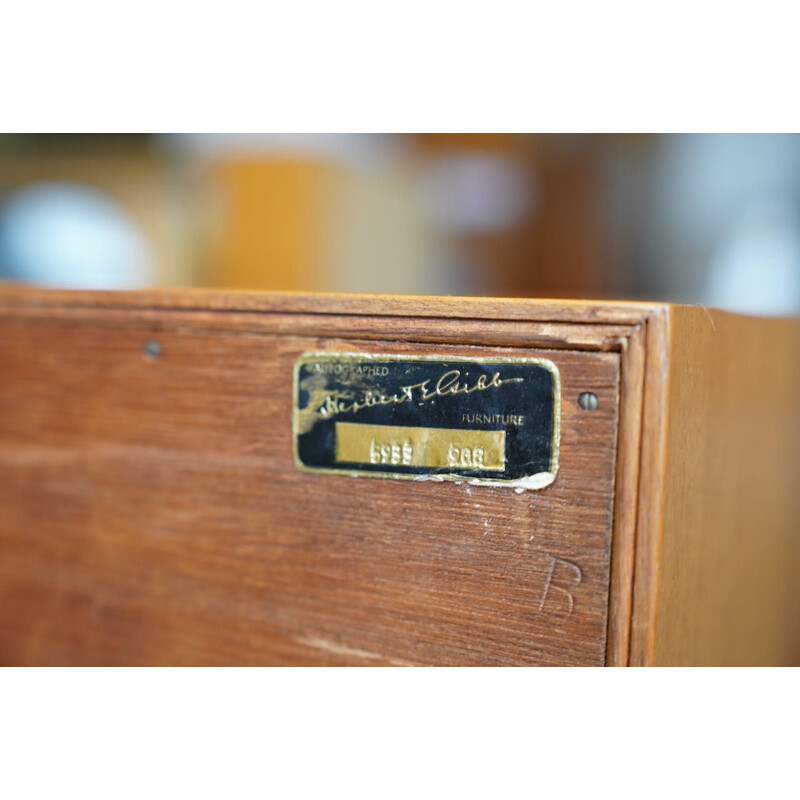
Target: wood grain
723, 572
514, 333
587, 312
151, 514
626, 496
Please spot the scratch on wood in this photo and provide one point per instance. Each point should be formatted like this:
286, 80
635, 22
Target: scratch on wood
708, 314
338, 649
550, 586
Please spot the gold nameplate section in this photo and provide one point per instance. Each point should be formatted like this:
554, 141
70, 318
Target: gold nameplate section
420, 447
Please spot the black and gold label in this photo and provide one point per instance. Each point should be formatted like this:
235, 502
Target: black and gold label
483, 420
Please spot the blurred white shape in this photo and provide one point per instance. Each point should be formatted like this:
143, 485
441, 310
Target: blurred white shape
71, 236
703, 214
475, 193
757, 271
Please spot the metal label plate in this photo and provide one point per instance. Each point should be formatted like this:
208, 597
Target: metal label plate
483, 420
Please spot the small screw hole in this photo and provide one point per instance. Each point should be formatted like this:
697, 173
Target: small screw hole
588, 401
152, 348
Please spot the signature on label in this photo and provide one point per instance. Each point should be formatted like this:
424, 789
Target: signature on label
448, 384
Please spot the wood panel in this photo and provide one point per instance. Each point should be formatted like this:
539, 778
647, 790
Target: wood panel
585, 312
150, 511
151, 514
721, 566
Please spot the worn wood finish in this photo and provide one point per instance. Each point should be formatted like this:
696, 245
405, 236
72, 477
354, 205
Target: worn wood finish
587, 312
551, 335
150, 512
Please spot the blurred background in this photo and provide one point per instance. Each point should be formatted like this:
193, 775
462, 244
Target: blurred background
707, 218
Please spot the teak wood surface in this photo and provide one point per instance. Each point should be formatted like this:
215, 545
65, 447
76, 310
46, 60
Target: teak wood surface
150, 511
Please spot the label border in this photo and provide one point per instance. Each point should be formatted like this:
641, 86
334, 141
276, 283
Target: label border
330, 355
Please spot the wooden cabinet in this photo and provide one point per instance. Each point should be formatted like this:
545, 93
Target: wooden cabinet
152, 510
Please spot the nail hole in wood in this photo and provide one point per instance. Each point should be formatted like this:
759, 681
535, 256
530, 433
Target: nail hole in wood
152, 348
